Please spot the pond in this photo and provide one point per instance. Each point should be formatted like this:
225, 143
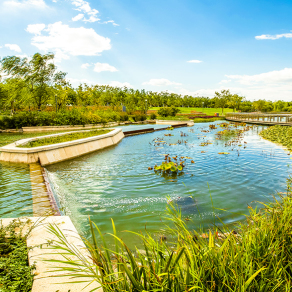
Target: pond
116, 183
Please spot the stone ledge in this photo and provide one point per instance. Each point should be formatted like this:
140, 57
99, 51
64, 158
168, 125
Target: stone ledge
54, 153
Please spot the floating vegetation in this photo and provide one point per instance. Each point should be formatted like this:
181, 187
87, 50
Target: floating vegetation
212, 127
182, 134
168, 135
225, 153
224, 125
279, 134
169, 167
169, 128
205, 143
191, 130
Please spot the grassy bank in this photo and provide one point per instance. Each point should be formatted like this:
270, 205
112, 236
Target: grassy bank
256, 256
8, 138
64, 138
279, 134
15, 273
197, 120
207, 111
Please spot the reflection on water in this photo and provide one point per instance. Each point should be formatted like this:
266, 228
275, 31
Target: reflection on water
116, 183
15, 190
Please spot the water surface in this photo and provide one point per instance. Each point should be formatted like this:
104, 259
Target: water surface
116, 183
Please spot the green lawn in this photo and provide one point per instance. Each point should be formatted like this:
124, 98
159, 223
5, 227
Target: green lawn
207, 111
7, 138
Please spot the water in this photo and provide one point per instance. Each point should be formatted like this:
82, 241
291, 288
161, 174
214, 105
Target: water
116, 183
15, 190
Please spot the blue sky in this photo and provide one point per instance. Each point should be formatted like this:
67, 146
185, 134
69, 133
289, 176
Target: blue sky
188, 47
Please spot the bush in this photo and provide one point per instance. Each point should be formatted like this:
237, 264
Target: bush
153, 116
73, 117
168, 111
139, 117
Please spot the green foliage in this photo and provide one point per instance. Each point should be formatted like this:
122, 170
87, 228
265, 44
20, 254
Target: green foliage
153, 116
72, 117
15, 273
64, 138
168, 111
139, 117
257, 257
279, 134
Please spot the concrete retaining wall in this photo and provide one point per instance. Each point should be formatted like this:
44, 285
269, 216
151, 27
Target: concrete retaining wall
54, 153
174, 122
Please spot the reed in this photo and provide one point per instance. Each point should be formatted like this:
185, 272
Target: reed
255, 258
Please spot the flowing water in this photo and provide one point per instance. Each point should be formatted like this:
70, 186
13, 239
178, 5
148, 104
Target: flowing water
116, 183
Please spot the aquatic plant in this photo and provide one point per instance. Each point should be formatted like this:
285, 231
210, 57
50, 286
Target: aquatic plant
279, 134
255, 257
168, 166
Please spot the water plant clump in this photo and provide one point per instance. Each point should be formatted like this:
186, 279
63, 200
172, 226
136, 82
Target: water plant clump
63, 138
169, 167
279, 134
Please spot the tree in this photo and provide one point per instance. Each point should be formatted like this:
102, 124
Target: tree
235, 101
39, 74
222, 99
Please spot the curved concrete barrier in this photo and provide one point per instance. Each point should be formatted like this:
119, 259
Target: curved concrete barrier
54, 153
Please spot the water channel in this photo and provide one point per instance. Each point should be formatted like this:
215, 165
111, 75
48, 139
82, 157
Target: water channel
116, 183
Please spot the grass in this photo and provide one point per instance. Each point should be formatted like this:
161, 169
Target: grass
15, 273
207, 111
279, 134
8, 138
64, 138
197, 120
256, 257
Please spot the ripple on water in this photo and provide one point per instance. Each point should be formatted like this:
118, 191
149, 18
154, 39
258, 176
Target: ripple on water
116, 183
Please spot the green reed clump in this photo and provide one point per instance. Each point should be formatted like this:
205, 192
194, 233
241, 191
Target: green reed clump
15, 273
256, 258
279, 134
63, 138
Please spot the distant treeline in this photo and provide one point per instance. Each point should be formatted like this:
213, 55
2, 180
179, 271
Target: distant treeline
36, 83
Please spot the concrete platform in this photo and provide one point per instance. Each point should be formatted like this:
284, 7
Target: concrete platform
54, 153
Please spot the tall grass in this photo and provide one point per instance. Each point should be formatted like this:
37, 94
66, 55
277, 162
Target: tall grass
255, 258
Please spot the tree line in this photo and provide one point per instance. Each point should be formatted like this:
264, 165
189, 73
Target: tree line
36, 84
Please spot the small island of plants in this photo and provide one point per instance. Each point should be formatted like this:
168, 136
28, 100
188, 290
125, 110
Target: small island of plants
63, 138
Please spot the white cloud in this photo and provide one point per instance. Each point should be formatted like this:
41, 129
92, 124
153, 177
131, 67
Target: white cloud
160, 82
84, 7
284, 75
111, 21
78, 17
99, 67
25, 4
13, 47
85, 66
119, 84
66, 41
35, 28
274, 37
225, 81
195, 61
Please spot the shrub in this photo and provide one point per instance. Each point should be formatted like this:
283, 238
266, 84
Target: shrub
139, 117
168, 111
153, 116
